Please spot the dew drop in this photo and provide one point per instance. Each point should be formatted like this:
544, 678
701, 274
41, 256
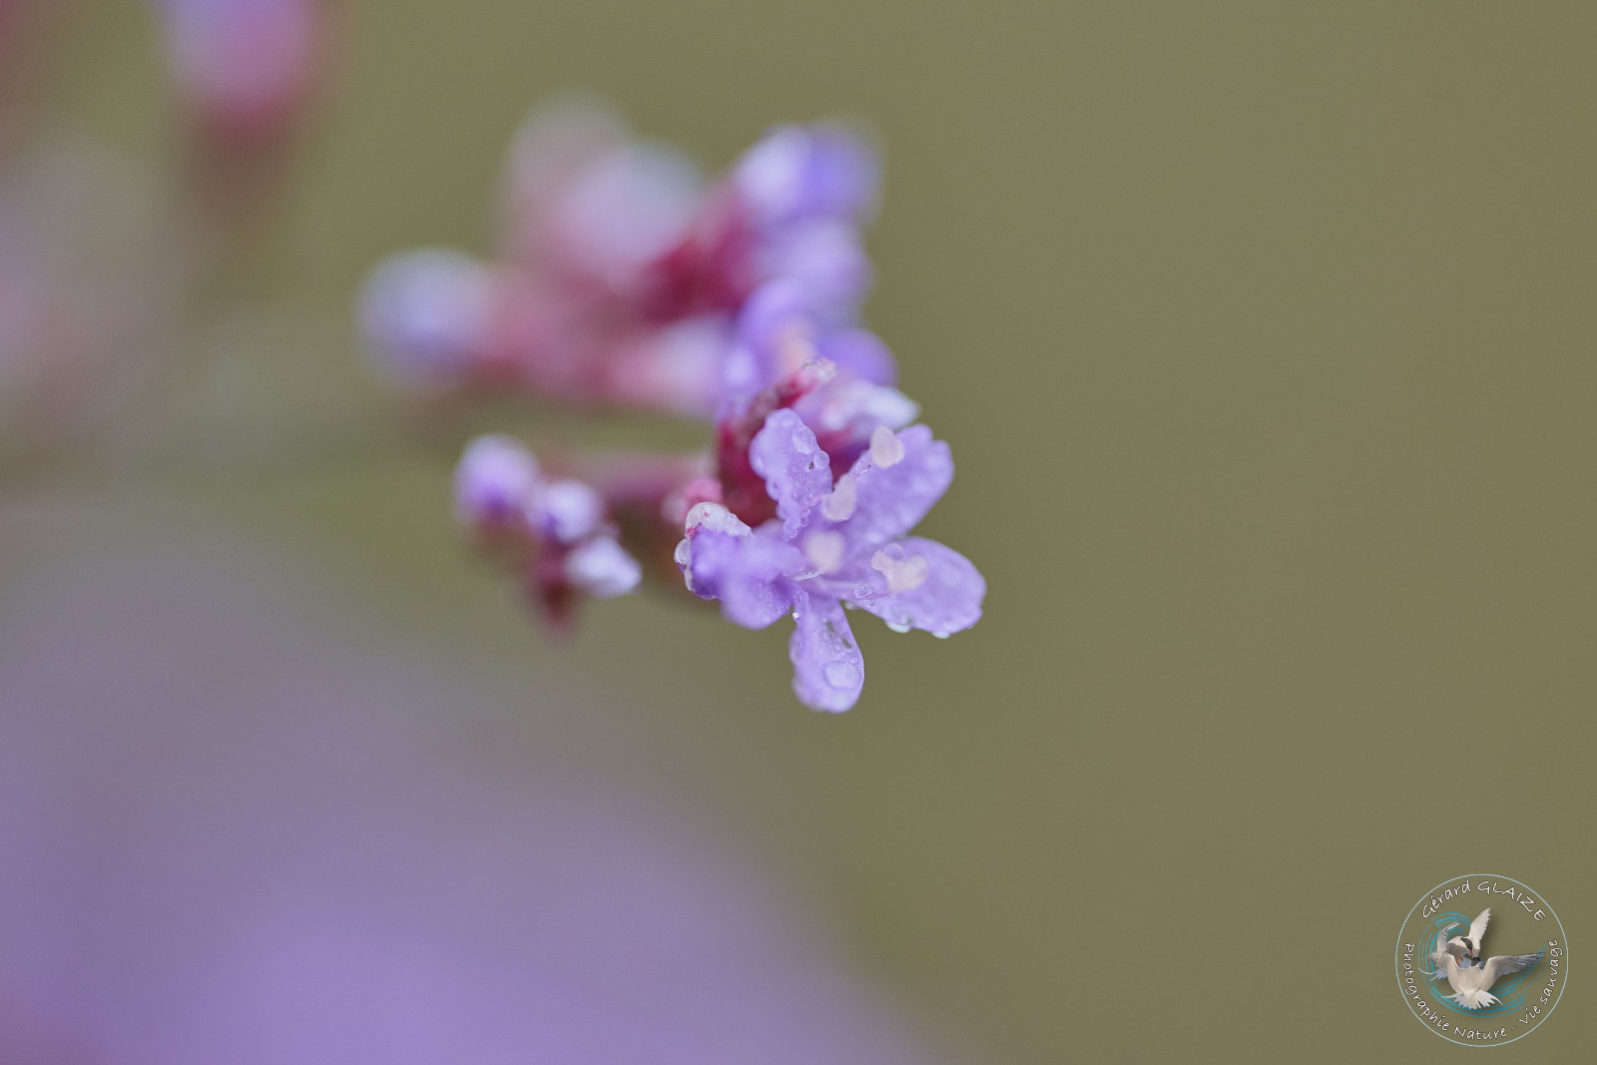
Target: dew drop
842, 674
942, 635
803, 442
899, 626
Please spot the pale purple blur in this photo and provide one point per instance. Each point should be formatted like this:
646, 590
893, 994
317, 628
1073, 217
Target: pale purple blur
236, 827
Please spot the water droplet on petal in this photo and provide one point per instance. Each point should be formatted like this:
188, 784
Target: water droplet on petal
803, 442
842, 674
899, 626
942, 635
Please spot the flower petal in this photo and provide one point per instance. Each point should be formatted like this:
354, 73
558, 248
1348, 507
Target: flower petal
828, 670
861, 353
919, 584
799, 172
603, 568
798, 474
896, 482
747, 573
493, 481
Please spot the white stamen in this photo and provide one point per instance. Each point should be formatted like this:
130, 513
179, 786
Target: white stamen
825, 550
886, 448
903, 574
839, 506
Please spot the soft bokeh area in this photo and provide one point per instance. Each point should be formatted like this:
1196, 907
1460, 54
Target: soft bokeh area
1262, 335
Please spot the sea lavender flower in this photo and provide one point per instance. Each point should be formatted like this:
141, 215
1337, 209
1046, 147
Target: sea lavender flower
624, 276
625, 281
834, 543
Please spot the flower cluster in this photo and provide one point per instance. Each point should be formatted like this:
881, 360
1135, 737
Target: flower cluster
625, 281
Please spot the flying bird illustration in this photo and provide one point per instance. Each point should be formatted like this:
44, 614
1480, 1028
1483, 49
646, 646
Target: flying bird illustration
1471, 944
1458, 959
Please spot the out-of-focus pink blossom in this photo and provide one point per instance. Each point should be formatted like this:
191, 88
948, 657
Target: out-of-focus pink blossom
622, 272
244, 66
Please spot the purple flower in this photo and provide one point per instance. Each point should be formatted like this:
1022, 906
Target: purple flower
554, 530
807, 173
781, 328
806, 191
625, 280
427, 317
834, 543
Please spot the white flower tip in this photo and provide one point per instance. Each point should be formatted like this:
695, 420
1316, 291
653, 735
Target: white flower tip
716, 518
603, 568
886, 448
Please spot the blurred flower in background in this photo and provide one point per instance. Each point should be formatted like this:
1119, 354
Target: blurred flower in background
244, 67
305, 855
622, 275
626, 281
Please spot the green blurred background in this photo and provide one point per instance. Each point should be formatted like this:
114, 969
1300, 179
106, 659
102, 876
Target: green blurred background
1263, 337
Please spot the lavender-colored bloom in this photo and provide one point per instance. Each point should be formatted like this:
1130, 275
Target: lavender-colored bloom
602, 568
834, 543
799, 173
782, 327
426, 316
807, 190
556, 526
564, 511
626, 281
495, 478
827, 258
